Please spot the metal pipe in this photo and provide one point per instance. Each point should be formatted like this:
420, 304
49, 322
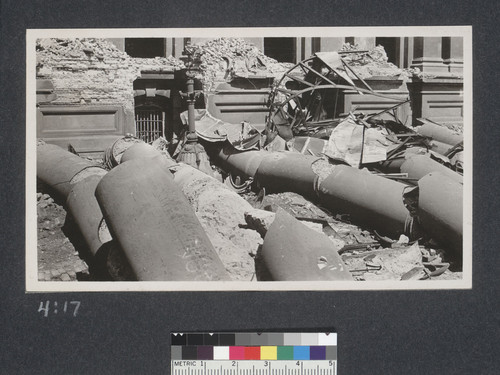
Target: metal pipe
191, 102
294, 252
440, 210
155, 225
60, 169
418, 166
374, 201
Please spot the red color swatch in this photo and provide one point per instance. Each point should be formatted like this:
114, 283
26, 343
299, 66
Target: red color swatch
252, 352
236, 352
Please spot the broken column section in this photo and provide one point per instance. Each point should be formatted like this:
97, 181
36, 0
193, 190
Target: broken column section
440, 210
60, 169
74, 180
370, 200
155, 226
418, 166
293, 252
220, 211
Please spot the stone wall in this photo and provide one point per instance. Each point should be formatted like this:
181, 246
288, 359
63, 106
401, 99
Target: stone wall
93, 71
85, 91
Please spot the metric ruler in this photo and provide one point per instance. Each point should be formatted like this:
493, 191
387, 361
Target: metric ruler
272, 353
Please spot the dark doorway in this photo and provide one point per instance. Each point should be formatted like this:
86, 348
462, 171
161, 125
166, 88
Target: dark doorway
281, 49
145, 47
392, 48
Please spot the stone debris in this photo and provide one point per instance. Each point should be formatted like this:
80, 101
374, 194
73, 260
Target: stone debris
385, 264
236, 57
57, 259
373, 63
221, 212
94, 71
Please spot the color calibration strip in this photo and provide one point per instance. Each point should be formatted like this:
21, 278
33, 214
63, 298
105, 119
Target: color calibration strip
254, 346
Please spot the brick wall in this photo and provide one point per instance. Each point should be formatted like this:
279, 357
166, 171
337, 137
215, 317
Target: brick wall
93, 71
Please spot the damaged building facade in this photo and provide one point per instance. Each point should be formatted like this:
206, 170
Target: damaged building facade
242, 152
131, 86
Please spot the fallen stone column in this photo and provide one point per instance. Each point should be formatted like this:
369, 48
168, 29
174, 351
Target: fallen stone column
440, 147
280, 171
418, 166
440, 133
440, 210
74, 180
294, 252
60, 169
240, 163
94, 235
142, 150
86, 213
220, 211
374, 201
154, 224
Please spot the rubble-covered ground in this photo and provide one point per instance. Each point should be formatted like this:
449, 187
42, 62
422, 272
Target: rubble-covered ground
59, 261
57, 258
364, 255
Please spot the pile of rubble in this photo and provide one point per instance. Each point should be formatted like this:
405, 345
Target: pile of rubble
237, 57
52, 50
158, 64
92, 71
57, 258
373, 63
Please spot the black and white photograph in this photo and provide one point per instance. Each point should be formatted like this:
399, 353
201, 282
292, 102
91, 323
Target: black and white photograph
322, 158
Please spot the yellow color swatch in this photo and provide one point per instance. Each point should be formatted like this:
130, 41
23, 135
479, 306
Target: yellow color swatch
268, 352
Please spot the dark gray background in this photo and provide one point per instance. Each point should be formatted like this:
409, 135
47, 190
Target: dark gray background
388, 332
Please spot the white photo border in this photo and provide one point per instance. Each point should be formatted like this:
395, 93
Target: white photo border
31, 271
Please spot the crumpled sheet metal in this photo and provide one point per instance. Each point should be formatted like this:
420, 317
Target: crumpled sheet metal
241, 136
309, 145
294, 252
374, 201
347, 140
154, 224
440, 210
334, 62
